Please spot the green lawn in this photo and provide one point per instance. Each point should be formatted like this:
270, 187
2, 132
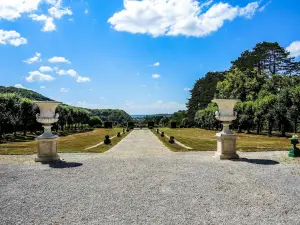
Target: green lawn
74, 143
205, 140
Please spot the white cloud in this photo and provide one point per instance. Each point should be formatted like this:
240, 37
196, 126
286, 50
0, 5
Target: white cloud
58, 59
155, 107
21, 86
38, 76
294, 49
155, 76
35, 58
261, 9
186, 89
55, 68
70, 72
143, 85
49, 24
11, 37
12, 9
156, 64
83, 79
42, 87
177, 17
45, 69
86, 11
57, 11
65, 90
61, 72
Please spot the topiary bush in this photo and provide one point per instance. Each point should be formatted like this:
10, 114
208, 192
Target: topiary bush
150, 128
130, 125
107, 140
157, 131
108, 125
119, 134
162, 134
151, 124
95, 121
173, 125
172, 140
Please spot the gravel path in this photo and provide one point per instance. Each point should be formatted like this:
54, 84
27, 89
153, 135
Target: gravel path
141, 182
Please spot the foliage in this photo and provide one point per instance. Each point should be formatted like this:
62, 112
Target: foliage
203, 92
25, 93
266, 79
107, 140
108, 124
95, 121
173, 124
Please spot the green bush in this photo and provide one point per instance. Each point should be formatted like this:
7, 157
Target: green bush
151, 124
95, 121
107, 140
108, 125
172, 140
173, 125
130, 125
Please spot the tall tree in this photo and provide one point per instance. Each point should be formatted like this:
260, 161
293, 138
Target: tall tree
203, 92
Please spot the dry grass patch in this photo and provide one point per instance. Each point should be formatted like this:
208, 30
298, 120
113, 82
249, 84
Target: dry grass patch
205, 140
74, 143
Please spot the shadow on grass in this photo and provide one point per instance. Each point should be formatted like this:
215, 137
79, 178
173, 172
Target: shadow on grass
257, 161
62, 164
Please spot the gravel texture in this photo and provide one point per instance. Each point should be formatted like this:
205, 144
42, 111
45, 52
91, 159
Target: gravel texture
140, 181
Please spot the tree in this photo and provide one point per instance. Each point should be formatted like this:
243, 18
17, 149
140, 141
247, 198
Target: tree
203, 92
27, 113
95, 121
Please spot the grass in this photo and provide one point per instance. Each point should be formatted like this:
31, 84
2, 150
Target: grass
74, 143
205, 140
172, 147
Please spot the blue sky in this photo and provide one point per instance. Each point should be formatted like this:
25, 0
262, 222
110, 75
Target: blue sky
140, 56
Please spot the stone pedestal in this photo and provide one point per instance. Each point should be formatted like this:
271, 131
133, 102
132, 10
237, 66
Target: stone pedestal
226, 146
47, 150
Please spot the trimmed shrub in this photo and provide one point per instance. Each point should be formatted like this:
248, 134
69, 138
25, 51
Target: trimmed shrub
157, 131
130, 125
95, 121
173, 125
107, 140
151, 124
119, 134
172, 140
108, 125
162, 134
150, 128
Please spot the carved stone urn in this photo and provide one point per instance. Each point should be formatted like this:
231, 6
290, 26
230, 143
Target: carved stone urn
47, 142
226, 139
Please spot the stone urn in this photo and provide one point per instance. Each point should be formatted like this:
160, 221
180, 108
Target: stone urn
226, 139
47, 142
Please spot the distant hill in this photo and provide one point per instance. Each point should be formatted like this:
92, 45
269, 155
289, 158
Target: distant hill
32, 95
113, 115
144, 116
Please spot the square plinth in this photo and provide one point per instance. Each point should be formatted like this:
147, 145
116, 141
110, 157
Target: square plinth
226, 146
47, 150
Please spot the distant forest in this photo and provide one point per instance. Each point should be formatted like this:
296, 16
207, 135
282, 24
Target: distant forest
17, 113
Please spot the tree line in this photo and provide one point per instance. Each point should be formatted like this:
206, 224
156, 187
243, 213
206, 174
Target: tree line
266, 79
18, 113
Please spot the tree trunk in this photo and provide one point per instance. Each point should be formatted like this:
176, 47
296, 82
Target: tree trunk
258, 127
283, 130
295, 125
24, 130
270, 128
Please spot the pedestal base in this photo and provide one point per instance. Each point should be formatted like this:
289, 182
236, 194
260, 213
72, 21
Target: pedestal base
47, 150
226, 146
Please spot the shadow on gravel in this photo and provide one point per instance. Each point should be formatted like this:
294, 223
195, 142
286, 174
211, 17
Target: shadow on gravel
257, 161
62, 164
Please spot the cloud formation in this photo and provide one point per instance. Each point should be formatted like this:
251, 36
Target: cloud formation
11, 37
37, 76
59, 59
35, 58
294, 49
177, 17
